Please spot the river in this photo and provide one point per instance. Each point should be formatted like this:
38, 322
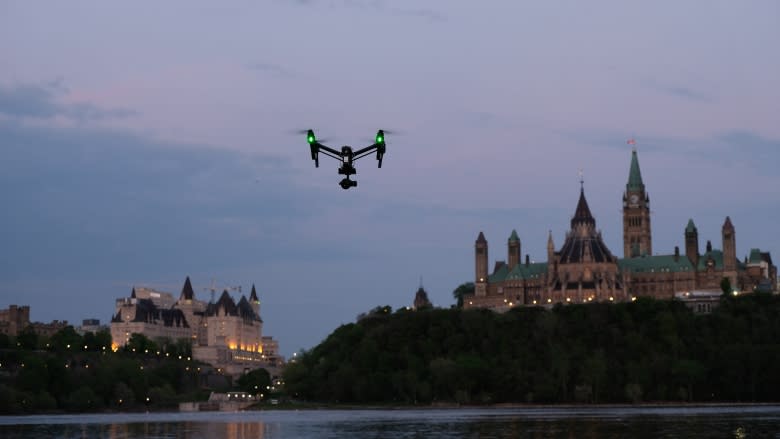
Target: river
538, 422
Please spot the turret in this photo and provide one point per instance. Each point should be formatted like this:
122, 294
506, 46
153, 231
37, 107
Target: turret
187, 294
254, 301
729, 247
481, 259
514, 250
550, 248
692, 243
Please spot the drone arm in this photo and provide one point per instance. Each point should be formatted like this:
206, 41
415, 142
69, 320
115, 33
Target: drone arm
330, 152
365, 151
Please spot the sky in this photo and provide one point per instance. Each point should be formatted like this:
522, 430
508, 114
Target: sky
144, 142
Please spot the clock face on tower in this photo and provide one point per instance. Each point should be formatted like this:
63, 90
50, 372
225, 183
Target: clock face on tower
634, 199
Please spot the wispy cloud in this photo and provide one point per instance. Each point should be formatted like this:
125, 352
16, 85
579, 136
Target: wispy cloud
44, 101
381, 6
272, 69
427, 14
679, 91
758, 152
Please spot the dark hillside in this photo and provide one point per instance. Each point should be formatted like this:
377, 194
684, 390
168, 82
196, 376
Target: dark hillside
646, 350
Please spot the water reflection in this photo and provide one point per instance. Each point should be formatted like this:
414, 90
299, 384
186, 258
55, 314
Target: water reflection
720, 422
187, 430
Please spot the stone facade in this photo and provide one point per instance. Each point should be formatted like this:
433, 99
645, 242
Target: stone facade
16, 318
225, 334
584, 269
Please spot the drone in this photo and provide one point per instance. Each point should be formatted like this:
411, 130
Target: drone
347, 156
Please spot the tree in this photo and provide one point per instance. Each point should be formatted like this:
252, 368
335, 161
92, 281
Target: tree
27, 338
83, 399
255, 382
594, 371
725, 286
67, 339
140, 344
462, 290
103, 339
123, 395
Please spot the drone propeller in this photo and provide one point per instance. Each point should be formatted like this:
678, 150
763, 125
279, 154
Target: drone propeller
313, 138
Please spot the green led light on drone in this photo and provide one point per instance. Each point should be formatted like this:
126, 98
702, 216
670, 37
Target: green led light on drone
311, 139
379, 139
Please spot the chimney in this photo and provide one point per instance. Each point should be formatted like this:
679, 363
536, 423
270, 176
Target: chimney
676, 254
709, 246
527, 260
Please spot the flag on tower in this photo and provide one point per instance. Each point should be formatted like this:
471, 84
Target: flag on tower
631, 141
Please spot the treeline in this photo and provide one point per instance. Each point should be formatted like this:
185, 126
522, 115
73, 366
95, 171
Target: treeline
71, 372
646, 350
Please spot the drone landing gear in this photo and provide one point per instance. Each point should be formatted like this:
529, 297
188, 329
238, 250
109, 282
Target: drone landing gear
346, 183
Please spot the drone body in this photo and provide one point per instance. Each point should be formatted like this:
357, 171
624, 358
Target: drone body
347, 156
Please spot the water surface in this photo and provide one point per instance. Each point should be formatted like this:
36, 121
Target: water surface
558, 422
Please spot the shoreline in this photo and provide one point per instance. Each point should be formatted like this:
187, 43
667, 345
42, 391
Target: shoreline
431, 407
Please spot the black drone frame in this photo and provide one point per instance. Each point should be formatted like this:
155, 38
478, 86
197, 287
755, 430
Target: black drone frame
347, 156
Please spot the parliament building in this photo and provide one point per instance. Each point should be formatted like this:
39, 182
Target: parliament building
584, 269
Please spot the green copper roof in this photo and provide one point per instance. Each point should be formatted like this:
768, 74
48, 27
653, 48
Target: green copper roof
513, 236
655, 264
635, 176
715, 255
530, 271
520, 271
499, 275
690, 227
717, 259
755, 256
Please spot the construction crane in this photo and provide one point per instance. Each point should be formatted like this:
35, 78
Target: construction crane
213, 288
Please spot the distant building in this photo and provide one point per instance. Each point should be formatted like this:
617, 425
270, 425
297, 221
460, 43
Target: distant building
421, 299
700, 302
225, 334
16, 318
585, 270
49, 329
91, 325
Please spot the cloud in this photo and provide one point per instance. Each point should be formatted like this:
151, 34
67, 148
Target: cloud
273, 69
41, 101
28, 101
758, 152
427, 14
379, 5
679, 91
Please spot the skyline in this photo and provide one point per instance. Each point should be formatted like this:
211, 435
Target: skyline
142, 145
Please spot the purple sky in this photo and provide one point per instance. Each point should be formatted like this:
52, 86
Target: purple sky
144, 142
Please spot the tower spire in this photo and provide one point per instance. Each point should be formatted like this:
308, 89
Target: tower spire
634, 174
582, 215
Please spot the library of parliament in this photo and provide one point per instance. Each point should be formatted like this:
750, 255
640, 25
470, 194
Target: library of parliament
583, 269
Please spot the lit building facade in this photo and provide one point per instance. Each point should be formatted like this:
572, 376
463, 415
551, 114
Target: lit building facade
225, 334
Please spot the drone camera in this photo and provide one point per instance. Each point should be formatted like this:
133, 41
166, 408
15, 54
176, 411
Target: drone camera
347, 169
347, 183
